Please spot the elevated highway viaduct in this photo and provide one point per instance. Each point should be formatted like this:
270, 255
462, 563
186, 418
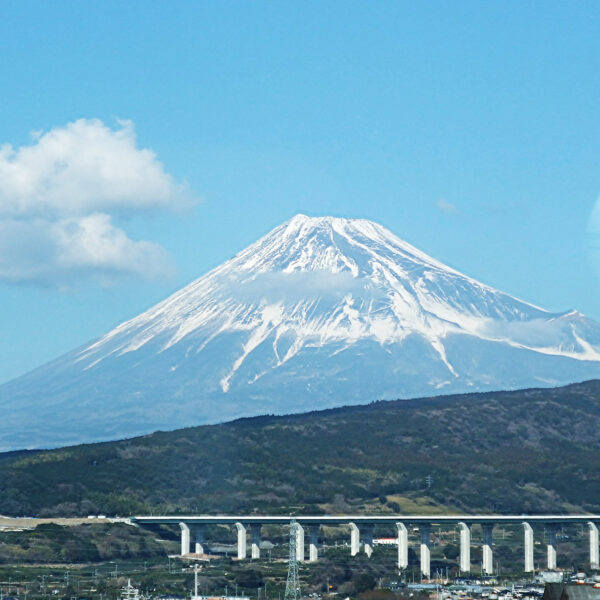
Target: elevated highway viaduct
361, 528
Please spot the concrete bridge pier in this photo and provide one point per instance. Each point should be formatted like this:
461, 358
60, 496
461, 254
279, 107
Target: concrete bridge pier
193, 529
402, 546
465, 547
255, 541
299, 543
488, 554
241, 541
354, 539
528, 532
313, 545
425, 531
185, 539
199, 539
594, 562
368, 539
551, 531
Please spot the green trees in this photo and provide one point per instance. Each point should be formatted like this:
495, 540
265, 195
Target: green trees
55, 543
355, 458
451, 551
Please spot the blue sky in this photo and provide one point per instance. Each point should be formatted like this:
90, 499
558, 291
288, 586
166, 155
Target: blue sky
470, 129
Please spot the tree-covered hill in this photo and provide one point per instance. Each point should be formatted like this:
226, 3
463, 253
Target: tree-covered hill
521, 452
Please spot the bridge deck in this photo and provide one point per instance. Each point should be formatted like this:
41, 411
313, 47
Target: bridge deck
378, 519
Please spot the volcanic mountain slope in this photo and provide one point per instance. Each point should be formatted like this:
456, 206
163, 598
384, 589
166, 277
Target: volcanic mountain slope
320, 312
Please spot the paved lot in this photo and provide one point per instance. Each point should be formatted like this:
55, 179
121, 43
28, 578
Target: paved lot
15, 524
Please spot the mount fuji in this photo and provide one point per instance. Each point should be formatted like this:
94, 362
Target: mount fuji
320, 312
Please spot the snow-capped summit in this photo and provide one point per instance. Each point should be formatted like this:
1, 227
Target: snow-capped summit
320, 312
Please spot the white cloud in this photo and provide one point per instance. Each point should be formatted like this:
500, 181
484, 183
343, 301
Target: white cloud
56, 200
81, 168
56, 252
445, 206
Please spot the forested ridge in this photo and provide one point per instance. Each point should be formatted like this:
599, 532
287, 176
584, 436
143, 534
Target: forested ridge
525, 451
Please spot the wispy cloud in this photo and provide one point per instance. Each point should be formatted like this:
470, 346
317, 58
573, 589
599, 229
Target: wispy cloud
505, 208
445, 206
593, 236
58, 196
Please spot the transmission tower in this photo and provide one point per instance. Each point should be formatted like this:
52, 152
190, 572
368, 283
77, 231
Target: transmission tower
292, 586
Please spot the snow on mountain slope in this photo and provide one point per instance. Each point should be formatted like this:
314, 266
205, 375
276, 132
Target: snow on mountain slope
318, 313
